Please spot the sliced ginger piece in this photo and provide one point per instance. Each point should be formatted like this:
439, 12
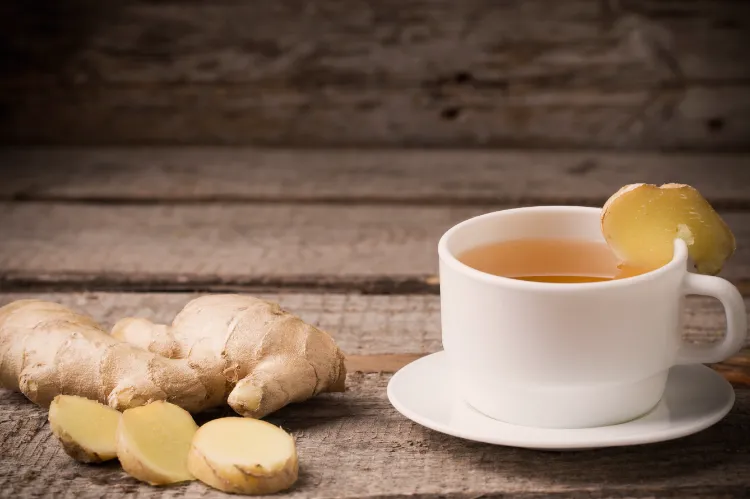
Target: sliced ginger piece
86, 429
153, 443
641, 221
243, 456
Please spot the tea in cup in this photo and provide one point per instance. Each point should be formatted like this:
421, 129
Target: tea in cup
542, 329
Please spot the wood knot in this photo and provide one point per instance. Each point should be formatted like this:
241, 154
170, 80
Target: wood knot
715, 125
450, 113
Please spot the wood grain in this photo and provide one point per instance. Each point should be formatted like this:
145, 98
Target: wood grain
388, 330
348, 442
234, 175
696, 119
235, 244
318, 42
638, 74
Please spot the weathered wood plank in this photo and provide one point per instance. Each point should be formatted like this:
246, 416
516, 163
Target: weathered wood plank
363, 325
696, 118
200, 174
348, 442
235, 244
476, 73
384, 42
736, 369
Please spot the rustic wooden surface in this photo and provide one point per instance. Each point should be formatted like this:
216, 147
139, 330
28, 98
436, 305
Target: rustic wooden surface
583, 73
356, 445
221, 246
241, 175
228, 219
369, 437
346, 239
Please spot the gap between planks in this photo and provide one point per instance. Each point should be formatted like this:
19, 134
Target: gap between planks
139, 283
27, 282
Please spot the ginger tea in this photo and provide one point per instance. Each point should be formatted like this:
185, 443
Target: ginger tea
548, 260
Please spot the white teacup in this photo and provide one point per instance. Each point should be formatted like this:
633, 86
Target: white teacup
569, 355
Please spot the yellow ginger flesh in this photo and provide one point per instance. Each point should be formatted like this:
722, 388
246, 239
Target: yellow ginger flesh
86, 428
153, 443
641, 221
243, 456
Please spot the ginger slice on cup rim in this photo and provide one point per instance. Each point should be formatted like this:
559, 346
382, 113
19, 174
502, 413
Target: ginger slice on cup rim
641, 221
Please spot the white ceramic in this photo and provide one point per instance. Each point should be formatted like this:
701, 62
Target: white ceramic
568, 355
696, 397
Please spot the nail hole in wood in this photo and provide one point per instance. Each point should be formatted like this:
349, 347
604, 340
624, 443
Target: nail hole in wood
450, 113
715, 125
462, 77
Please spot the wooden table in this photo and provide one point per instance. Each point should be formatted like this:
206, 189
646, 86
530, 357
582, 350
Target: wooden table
346, 239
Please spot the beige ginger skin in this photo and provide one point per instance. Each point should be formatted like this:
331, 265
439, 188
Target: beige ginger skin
220, 348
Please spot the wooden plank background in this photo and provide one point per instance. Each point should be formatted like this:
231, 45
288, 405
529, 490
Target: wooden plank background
141, 175
635, 74
243, 244
195, 219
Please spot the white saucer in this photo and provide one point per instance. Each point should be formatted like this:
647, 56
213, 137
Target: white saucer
696, 398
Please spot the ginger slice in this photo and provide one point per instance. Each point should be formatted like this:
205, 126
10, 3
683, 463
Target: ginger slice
153, 443
641, 221
86, 429
243, 456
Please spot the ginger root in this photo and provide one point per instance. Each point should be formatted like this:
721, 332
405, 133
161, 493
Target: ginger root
243, 456
153, 443
641, 221
219, 348
86, 429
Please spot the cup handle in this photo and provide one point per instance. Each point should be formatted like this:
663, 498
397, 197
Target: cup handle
734, 307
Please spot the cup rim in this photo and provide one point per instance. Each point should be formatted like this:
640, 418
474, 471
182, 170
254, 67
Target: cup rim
679, 258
